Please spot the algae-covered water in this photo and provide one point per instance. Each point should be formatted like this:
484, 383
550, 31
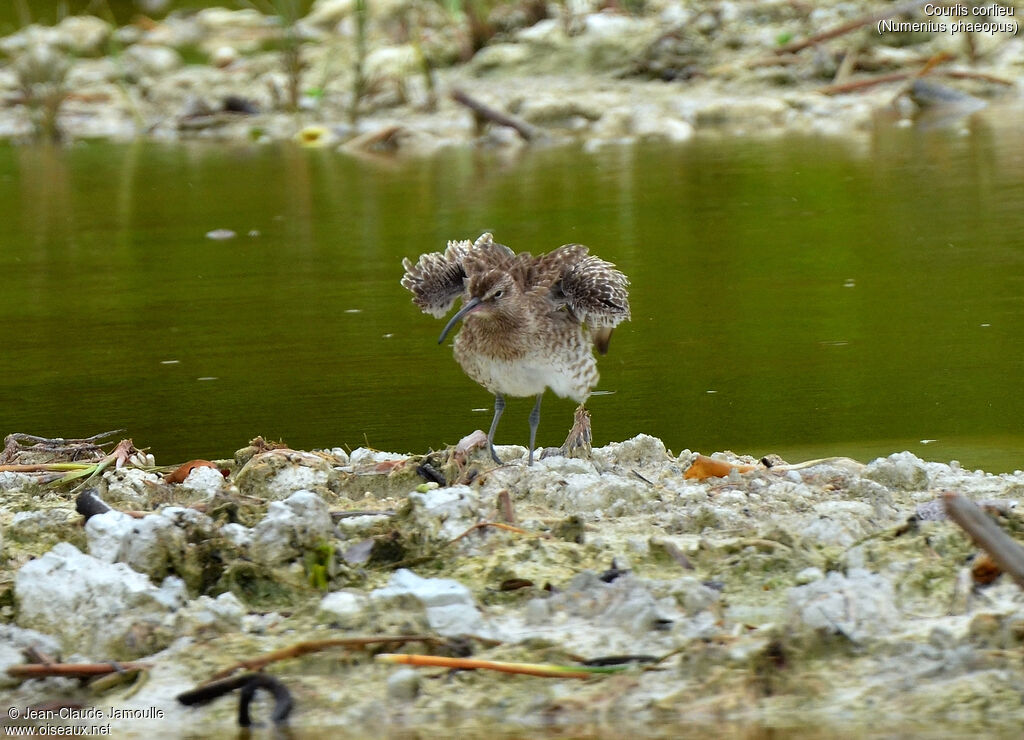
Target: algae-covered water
795, 295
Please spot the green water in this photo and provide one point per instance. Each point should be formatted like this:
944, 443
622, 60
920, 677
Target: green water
796, 295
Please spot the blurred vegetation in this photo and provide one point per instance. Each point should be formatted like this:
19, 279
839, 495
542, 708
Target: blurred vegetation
41, 72
48, 12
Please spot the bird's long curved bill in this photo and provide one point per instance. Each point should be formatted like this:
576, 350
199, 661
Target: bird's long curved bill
468, 307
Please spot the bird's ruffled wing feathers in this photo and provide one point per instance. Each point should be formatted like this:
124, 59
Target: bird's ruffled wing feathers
485, 255
545, 274
596, 293
437, 279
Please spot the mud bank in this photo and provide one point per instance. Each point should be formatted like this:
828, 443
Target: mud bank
825, 597
382, 82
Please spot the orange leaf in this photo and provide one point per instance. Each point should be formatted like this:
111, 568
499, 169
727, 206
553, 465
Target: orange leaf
181, 473
705, 467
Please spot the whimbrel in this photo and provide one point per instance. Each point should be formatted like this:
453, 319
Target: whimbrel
523, 320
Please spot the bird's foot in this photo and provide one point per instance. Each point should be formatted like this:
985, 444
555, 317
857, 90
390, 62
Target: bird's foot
577, 444
494, 455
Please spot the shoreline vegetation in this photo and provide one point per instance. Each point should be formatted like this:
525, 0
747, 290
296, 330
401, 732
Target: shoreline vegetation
412, 76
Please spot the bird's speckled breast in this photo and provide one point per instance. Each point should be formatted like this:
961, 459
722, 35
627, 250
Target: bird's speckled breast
562, 361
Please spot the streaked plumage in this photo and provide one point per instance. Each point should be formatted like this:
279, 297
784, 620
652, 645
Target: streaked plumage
523, 316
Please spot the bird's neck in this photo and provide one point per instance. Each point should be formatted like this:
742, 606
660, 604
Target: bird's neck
500, 332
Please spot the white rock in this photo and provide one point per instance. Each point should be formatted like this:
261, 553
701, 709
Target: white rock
150, 545
32, 36
860, 604
344, 607
565, 465
106, 534
445, 513
224, 56
232, 21
612, 26
500, 57
152, 59
223, 614
809, 575
13, 640
537, 611
205, 480
693, 595
650, 122
838, 523
362, 456
298, 478
638, 451
83, 35
449, 605
404, 684
547, 31
277, 474
354, 525
15, 481
236, 533
96, 73
290, 527
27, 526
392, 63
902, 471
92, 606
329, 13
341, 454
588, 493
128, 486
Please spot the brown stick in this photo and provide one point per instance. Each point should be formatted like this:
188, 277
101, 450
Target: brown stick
956, 74
964, 74
313, 646
528, 132
525, 669
72, 670
1004, 550
505, 507
853, 85
845, 28
498, 525
931, 64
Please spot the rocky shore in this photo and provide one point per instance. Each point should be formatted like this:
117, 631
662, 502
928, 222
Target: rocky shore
828, 596
380, 79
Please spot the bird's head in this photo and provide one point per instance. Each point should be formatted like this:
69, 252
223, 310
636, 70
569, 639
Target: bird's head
490, 294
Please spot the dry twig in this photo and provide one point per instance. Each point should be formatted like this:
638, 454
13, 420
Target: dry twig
485, 113
72, 670
543, 670
498, 525
314, 646
1004, 550
845, 28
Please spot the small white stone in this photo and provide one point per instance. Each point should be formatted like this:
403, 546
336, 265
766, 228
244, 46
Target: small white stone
809, 575
344, 607
404, 684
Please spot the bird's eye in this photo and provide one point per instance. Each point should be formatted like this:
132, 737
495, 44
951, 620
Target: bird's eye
499, 293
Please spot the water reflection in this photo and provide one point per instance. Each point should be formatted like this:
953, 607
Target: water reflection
802, 296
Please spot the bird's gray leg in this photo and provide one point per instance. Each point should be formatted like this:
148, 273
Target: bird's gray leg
499, 406
534, 423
